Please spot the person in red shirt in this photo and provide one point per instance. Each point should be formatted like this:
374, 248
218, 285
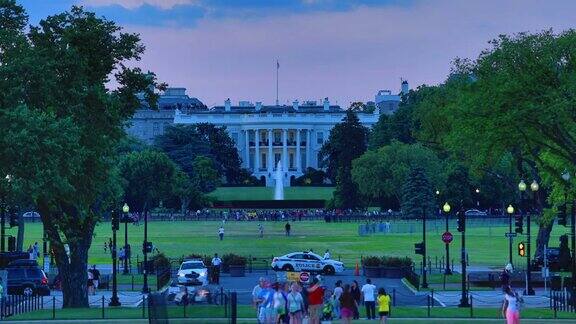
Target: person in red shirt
315, 300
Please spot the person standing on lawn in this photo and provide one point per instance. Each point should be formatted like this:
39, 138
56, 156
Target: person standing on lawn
287, 228
347, 304
221, 233
95, 277
368, 292
355, 291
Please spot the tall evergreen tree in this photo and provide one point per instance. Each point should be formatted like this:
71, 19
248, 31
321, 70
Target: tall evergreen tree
347, 141
417, 195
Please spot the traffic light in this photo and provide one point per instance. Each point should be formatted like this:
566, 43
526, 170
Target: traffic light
519, 222
115, 221
562, 215
522, 249
147, 247
419, 248
461, 221
13, 219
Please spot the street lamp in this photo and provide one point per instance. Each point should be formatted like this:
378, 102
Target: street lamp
446, 208
125, 210
114, 301
3, 218
145, 252
477, 197
534, 188
510, 211
462, 228
566, 177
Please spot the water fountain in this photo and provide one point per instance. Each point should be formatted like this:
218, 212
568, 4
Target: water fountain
279, 187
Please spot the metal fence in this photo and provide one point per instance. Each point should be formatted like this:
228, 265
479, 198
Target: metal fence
18, 304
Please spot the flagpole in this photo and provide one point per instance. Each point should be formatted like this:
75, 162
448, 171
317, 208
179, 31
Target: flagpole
277, 68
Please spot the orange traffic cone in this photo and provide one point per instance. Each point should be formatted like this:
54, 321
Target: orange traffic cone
357, 270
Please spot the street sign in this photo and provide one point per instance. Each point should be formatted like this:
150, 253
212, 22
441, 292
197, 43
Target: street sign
511, 235
304, 276
447, 237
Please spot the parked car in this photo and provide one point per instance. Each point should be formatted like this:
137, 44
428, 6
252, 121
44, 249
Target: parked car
553, 259
27, 280
307, 261
193, 273
475, 212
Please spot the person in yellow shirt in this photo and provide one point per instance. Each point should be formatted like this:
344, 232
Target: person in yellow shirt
383, 305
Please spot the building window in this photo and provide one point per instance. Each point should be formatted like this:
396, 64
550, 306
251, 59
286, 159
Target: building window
277, 137
252, 162
320, 138
291, 136
251, 137
291, 160
264, 160
277, 157
156, 129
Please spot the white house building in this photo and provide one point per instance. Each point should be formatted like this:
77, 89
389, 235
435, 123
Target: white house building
265, 134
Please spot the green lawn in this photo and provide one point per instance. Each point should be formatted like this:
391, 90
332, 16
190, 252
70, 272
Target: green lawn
485, 246
265, 193
206, 311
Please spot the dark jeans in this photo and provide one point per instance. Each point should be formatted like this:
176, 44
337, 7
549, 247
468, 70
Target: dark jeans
221, 236
216, 275
370, 309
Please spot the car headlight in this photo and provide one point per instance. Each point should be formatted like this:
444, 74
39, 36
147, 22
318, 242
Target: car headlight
181, 275
202, 274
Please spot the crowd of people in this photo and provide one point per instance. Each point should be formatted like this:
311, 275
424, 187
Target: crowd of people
293, 303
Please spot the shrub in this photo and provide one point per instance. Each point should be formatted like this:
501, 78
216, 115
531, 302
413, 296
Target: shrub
160, 261
396, 262
232, 259
372, 261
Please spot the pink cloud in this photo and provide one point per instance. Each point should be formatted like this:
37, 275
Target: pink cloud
346, 56
133, 4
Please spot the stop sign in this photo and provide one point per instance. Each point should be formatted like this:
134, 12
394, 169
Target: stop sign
304, 277
447, 237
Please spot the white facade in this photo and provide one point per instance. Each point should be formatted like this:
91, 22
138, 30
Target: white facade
265, 135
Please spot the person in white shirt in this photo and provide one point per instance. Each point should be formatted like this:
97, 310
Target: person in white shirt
221, 233
368, 295
216, 262
327, 255
337, 293
256, 292
510, 309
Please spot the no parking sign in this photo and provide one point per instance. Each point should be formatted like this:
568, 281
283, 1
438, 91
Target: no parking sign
304, 276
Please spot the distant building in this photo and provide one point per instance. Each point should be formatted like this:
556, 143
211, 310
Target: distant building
387, 103
147, 123
265, 135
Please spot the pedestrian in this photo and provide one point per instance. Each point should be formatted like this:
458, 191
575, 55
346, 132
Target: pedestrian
255, 292
295, 304
505, 276
279, 303
36, 250
216, 262
315, 301
368, 291
95, 277
221, 233
510, 306
347, 304
261, 230
383, 305
356, 294
266, 313
90, 283
105, 247
327, 255
337, 293
287, 228
30, 252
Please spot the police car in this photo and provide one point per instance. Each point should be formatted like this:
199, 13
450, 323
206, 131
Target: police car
193, 272
306, 261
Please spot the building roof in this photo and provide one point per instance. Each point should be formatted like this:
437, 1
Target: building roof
317, 109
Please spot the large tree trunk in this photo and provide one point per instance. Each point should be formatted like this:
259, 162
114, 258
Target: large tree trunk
20, 237
73, 269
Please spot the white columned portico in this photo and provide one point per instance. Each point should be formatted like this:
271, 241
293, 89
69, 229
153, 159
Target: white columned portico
298, 161
270, 154
285, 149
257, 151
308, 144
247, 154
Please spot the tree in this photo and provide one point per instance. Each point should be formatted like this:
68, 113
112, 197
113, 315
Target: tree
222, 151
206, 174
347, 141
417, 195
381, 174
61, 124
149, 177
183, 143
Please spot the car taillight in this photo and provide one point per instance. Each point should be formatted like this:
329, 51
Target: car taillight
45, 281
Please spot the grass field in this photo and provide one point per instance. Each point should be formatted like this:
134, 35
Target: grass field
265, 193
205, 311
485, 246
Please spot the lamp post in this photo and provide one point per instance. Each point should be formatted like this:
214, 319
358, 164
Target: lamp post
446, 209
3, 218
114, 301
125, 210
566, 177
510, 211
464, 299
424, 274
145, 252
477, 191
